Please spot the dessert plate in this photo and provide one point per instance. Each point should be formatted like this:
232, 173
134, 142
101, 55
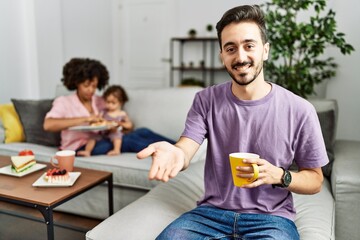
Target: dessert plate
91, 128
8, 171
41, 182
88, 128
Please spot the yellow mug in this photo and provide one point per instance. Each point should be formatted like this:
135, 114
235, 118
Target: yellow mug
236, 159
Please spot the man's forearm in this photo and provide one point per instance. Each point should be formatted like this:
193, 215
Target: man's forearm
306, 181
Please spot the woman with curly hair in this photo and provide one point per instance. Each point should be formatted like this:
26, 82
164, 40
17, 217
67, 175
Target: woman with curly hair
82, 107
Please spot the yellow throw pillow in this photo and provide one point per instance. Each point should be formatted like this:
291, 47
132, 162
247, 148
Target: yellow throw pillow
10, 119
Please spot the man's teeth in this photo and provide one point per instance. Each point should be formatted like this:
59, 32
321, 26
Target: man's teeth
242, 67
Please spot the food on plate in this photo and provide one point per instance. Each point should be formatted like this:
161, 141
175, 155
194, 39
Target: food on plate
22, 163
104, 123
56, 175
26, 152
96, 124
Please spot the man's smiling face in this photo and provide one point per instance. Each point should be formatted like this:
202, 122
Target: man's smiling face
243, 52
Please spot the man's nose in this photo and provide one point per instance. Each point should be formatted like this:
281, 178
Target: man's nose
241, 55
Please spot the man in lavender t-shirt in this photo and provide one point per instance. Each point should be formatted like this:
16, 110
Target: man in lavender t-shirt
246, 114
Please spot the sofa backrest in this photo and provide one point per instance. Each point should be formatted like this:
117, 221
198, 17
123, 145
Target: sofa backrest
162, 110
327, 111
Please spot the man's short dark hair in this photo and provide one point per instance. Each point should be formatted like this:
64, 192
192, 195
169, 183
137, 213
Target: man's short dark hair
245, 13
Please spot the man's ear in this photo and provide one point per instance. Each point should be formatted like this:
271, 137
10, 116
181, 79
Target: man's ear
266, 51
221, 58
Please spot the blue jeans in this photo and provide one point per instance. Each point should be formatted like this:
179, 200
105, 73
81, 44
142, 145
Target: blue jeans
139, 139
101, 147
134, 141
206, 222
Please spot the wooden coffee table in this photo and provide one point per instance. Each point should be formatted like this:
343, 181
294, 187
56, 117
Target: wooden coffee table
19, 190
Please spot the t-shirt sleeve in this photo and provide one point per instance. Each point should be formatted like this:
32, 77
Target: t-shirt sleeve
58, 109
310, 150
196, 121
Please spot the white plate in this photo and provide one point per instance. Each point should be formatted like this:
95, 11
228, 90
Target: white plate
91, 128
88, 128
8, 171
41, 182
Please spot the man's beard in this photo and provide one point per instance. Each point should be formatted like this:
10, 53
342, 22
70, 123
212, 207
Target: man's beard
243, 75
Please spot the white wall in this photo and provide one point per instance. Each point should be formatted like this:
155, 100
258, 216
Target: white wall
67, 29
38, 36
50, 46
18, 65
345, 86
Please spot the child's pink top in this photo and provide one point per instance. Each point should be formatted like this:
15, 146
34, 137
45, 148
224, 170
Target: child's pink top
71, 107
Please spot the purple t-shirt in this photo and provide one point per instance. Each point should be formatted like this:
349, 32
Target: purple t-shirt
280, 127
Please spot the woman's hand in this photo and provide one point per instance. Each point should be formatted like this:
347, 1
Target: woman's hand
59, 124
94, 119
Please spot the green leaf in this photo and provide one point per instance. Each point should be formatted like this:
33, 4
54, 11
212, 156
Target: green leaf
296, 52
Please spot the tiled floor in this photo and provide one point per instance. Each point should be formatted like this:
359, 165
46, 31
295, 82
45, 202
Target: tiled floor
17, 228
14, 228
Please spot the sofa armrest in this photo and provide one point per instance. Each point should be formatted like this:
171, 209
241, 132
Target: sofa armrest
345, 180
146, 217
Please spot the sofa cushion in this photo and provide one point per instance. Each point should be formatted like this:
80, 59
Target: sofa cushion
42, 153
315, 214
2, 132
128, 171
164, 110
345, 186
32, 114
327, 111
13, 130
327, 122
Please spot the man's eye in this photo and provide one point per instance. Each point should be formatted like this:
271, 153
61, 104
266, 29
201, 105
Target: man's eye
250, 46
230, 49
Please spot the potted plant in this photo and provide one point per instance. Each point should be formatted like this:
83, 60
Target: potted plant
209, 29
192, 33
191, 82
296, 59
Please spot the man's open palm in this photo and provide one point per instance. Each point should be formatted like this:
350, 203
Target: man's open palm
167, 160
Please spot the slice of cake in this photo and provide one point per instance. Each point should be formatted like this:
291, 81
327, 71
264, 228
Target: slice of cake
57, 176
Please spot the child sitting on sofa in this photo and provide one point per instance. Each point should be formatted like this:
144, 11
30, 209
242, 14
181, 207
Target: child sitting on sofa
115, 97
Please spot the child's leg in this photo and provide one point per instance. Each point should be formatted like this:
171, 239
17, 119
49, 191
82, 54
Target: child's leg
88, 148
117, 147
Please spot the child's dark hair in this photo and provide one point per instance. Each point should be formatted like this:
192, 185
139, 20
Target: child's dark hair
78, 70
118, 92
